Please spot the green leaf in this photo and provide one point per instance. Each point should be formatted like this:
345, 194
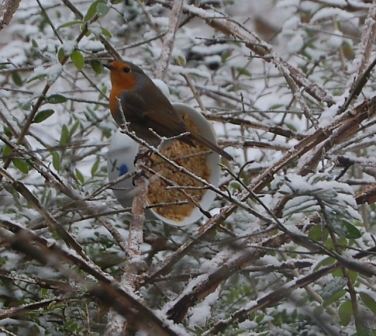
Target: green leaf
325, 262
97, 66
94, 168
338, 272
25, 106
318, 233
102, 8
368, 301
7, 131
56, 161
276, 107
353, 276
98, 7
21, 165
225, 55
235, 186
61, 55
91, 11
6, 151
43, 293
351, 231
69, 24
56, 99
345, 228
333, 298
64, 136
244, 72
34, 43
291, 127
74, 128
43, 115
37, 77
78, 59
16, 78
106, 132
181, 60
348, 50
106, 33
79, 177
345, 312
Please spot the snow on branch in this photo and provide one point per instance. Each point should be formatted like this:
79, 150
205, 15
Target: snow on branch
7, 10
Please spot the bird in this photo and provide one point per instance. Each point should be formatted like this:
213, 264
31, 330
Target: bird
136, 101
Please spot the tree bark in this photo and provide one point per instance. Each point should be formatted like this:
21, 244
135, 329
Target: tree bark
7, 10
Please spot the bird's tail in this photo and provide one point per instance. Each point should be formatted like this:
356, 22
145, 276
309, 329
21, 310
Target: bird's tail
212, 146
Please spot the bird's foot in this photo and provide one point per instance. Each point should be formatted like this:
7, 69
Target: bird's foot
137, 176
143, 155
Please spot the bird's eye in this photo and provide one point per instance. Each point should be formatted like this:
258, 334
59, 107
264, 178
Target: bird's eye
126, 69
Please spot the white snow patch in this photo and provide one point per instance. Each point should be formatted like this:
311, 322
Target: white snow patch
192, 284
247, 325
15, 51
90, 45
191, 71
291, 24
210, 50
177, 328
161, 21
329, 12
288, 3
336, 40
269, 260
209, 265
68, 47
296, 43
328, 115
199, 315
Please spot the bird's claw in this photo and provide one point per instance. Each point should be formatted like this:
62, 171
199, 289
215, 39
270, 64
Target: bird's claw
142, 155
137, 175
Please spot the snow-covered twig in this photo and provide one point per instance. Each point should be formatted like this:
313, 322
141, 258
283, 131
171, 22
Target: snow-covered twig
62, 187
348, 5
265, 126
345, 123
169, 38
29, 307
7, 10
269, 299
54, 225
107, 289
362, 61
41, 99
259, 47
277, 295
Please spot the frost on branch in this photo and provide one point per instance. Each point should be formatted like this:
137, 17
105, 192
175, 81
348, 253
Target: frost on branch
287, 246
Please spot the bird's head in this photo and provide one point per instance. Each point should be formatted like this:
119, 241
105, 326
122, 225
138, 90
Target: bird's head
123, 74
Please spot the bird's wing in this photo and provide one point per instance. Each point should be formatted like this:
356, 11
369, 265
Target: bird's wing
133, 107
147, 111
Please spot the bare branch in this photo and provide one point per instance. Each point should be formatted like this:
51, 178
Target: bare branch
169, 38
7, 10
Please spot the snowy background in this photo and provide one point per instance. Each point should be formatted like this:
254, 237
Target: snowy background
288, 86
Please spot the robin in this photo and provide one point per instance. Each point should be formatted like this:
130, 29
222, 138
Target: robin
135, 99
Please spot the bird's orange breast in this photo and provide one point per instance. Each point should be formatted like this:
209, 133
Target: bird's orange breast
114, 102
121, 83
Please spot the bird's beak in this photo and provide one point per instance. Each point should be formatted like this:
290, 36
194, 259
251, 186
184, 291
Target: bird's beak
108, 66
